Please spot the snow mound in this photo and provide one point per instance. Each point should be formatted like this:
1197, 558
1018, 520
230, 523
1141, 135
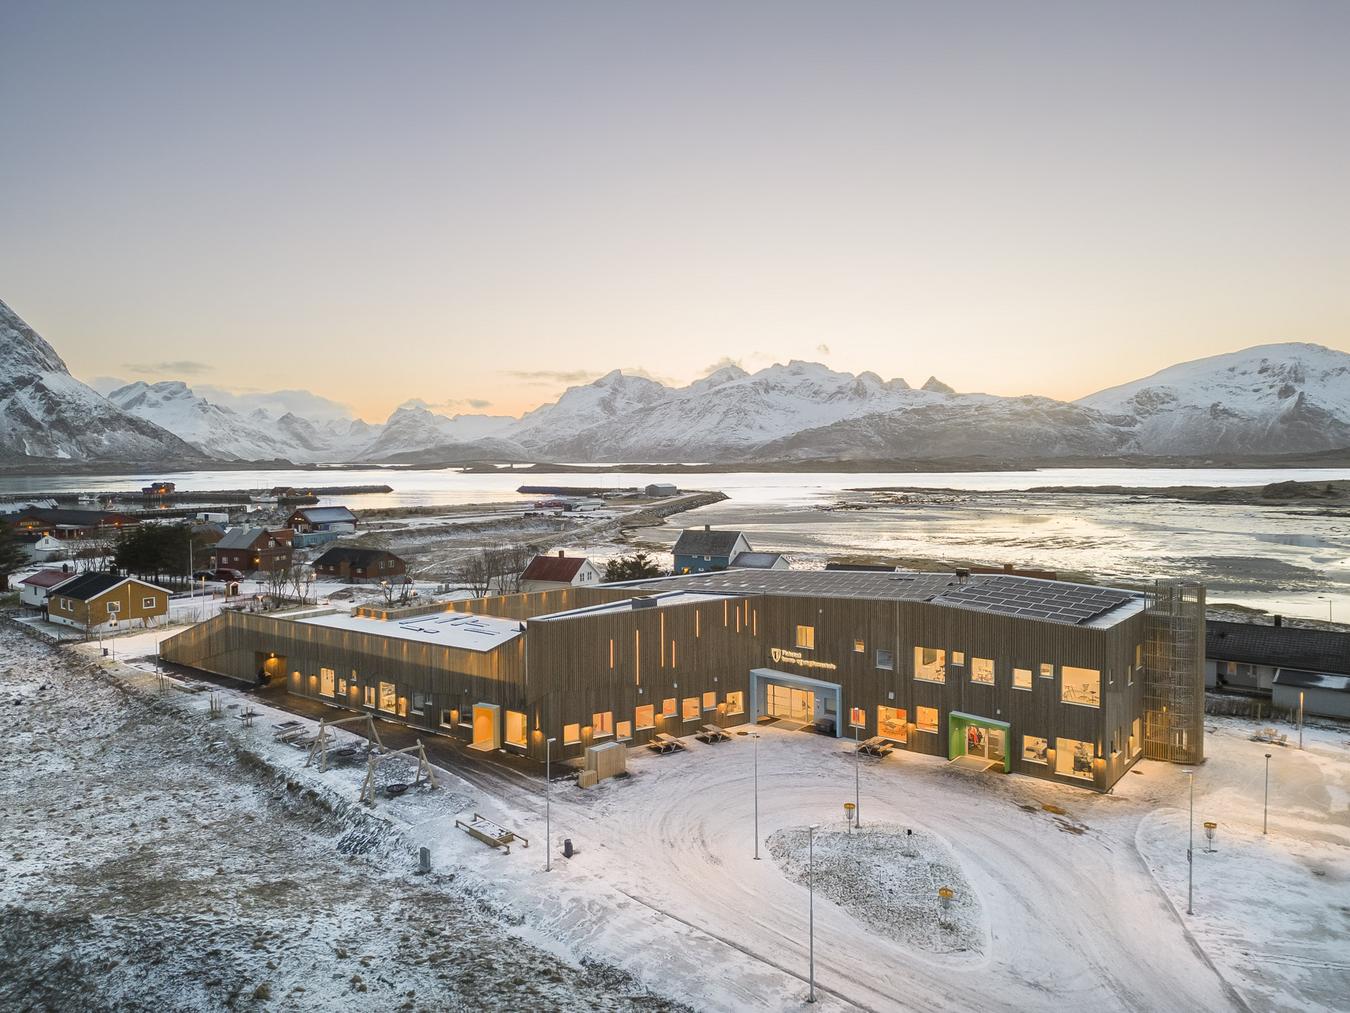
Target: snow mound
888, 877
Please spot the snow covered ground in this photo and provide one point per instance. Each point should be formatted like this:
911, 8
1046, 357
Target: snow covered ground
1072, 897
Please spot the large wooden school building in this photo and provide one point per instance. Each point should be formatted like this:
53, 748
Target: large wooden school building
1061, 681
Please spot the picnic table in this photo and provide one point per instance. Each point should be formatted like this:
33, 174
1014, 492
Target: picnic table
876, 746
1270, 735
664, 743
712, 733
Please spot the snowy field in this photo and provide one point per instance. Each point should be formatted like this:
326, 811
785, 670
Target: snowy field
1064, 898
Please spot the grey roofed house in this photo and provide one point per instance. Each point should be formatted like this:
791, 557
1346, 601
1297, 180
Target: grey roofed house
1278, 646
326, 515
761, 560
705, 541
240, 538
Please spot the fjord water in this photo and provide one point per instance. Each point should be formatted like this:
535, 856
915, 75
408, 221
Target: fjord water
1290, 560
423, 487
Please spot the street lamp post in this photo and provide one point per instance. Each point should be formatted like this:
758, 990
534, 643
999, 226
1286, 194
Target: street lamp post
857, 781
548, 804
1328, 599
1300, 719
1190, 851
755, 737
1265, 806
811, 901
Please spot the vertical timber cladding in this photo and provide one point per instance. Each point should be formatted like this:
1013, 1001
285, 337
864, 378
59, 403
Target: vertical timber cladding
662, 652
842, 625
229, 645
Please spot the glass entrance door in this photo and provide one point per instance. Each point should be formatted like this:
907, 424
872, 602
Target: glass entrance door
986, 742
791, 703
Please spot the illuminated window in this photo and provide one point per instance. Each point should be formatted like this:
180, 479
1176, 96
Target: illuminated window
1081, 686
886, 660
1138, 655
327, 677
515, 728
388, 697
893, 723
926, 719
571, 735
147, 603
625, 731
930, 664
1136, 738
449, 719
982, 670
603, 723
1021, 678
857, 717
1047, 671
1129, 675
1035, 750
645, 716
668, 707
736, 702
370, 696
691, 709
710, 701
611, 652
342, 687
1073, 758
958, 658
859, 647
806, 638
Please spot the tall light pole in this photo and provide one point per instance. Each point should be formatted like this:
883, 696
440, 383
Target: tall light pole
755, 737
1190, 851
1300, 719
1265, 806
548, 804
1328, 599
857, 781
811, 901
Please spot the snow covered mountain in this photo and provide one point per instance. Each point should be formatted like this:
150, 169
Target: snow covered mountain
46, 413
412, 428
217, 431
1269, 399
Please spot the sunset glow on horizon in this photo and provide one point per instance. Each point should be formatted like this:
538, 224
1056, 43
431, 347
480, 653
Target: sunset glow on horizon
478, 206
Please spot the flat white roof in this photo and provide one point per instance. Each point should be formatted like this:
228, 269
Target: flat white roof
661, 600
462, 630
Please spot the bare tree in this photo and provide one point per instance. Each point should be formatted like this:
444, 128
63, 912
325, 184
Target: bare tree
475, 574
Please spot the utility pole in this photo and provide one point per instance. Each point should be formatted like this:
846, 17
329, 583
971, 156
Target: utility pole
1300, 719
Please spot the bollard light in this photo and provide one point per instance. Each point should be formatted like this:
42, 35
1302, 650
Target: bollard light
1210, 827
945, 895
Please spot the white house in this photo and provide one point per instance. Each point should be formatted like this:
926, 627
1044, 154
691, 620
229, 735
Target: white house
41, 548
34, 589
548, 573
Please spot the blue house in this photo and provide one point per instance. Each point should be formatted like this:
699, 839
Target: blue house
700, 550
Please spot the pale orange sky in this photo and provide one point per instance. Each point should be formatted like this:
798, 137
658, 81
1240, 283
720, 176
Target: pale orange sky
473, 204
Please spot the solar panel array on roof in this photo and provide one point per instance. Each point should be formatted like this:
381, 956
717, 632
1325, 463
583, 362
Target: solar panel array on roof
1001, 594
1036, 599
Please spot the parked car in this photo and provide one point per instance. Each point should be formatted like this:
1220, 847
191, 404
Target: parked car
225, 575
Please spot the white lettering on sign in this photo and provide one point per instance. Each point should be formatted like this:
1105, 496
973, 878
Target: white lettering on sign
781, 655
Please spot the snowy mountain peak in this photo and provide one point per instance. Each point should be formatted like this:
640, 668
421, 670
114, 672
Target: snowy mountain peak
46, 413
1293, 396
935, 386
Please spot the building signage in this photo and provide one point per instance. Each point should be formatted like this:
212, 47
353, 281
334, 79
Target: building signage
781, 655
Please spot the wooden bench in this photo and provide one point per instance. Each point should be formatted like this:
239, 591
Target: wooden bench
491, 833
664, 743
